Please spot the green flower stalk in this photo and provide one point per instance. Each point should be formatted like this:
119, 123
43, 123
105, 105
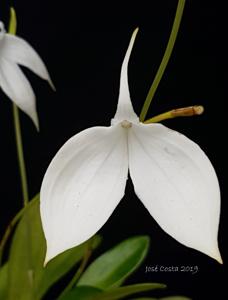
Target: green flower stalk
165, 60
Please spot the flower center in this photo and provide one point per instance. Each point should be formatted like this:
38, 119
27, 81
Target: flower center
126, 124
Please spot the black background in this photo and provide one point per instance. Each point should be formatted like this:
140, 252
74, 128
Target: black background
83, 45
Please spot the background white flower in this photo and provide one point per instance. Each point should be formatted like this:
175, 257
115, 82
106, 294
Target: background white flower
172, 176
13, 51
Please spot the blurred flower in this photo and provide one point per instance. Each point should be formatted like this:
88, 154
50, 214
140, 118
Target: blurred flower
14, 51
172, 176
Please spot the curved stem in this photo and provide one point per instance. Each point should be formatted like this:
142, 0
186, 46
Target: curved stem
165, 59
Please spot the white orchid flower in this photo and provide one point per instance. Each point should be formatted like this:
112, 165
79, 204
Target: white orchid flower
13, 51
172, 176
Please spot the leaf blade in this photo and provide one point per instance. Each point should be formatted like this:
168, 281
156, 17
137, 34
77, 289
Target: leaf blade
32, 281
165, 298
113, 267
3, 281
121, 292
113, 294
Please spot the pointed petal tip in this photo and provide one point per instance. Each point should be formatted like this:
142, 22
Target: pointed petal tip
52, 84
37, 126
49, 256
215, 255
46, 259
45, 263
35, 120
136, 30
219, 260
134, 33
218, 257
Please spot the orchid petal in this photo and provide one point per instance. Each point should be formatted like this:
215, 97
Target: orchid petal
176, 182
82, 186
19, 51
16, 86
125, 109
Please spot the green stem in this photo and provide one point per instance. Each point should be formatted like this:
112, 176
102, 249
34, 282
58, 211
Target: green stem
17, 126
165, 59
20, 155
20, 152
79, 272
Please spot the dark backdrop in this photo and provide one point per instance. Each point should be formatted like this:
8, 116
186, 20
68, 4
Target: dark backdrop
83, 45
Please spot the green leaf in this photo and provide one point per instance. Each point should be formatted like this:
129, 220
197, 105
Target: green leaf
60, 265
113, 267
28, 279
24, 255
3, 281
166, 298
112, 294
82, 293
145, 298
121, 292
175, 298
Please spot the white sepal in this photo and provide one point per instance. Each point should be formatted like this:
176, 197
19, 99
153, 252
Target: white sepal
176, 182
125, 109
19, 51
82, 186
16, 86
